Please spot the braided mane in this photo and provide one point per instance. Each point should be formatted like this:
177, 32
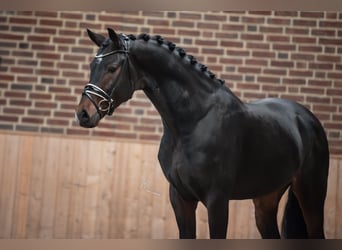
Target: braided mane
181, 52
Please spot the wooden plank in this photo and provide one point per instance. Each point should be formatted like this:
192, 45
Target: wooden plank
163, 223
39, 151
78, 187
132, 185
65, 165
91, 190
23, 187
105, 195
8, 184
146, 191
2, 176
338, 234
118, 187
49, 188
331, 201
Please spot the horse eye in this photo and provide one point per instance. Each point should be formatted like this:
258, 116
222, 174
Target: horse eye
112, 69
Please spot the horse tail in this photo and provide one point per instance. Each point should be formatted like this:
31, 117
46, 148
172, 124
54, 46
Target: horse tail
293, 224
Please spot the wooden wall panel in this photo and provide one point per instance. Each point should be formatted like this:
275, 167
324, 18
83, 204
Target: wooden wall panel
59, 187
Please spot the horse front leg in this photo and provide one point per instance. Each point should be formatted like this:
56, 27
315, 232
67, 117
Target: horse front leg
185, 212
218, 210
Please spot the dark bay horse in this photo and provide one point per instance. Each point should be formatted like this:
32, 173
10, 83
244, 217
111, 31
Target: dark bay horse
215, 148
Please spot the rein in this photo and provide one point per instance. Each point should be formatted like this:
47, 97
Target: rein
106, 105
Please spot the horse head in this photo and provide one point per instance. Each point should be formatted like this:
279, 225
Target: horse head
110, 81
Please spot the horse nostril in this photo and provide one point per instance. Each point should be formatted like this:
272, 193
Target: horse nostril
83, 116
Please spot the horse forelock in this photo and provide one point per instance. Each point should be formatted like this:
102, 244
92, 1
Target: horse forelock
181, 52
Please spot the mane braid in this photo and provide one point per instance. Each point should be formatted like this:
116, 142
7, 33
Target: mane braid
144, 37
159, 39
171, 46
132, 37
181, 52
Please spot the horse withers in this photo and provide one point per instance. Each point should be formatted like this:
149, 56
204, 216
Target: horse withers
215, 148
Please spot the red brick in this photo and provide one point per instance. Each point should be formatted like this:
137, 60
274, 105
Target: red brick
43, 96
325, 66
298, 39
48, 72
11, 37
264, 54
16, 111
295, 81
271, 29
273, 88
188, 15
258, 45
40, 30
330, 41
301, 73
329, 58
64, 40
45, 105
7, 118
309, 90
15, 94
237, 52
250, 19
278, 38
254, 37
35, 120
287, 47
278, 21
248, 86
21, 70
212, 51
233, 27
297, 31
57, 122
309, 48
192, 33
276, 71
312, 14
51, 22
39, 112
303, 22
323, 32
331, 24
286, 13
23, 21
205, 42
213, 26
158, 22
302, 56
68, 15
259, 62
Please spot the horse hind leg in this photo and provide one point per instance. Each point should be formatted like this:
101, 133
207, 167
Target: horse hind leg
266, 209
310, 191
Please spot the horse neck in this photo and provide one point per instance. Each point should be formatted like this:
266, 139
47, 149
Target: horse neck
181, 93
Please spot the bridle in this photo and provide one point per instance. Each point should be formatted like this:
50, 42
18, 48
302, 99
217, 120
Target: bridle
106, 105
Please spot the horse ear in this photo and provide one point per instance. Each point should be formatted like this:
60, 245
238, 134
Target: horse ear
96, 38
114, 37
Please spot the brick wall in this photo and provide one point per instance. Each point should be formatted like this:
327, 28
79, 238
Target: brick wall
45, 58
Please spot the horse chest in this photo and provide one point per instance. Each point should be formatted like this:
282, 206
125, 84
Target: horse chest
191, 170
